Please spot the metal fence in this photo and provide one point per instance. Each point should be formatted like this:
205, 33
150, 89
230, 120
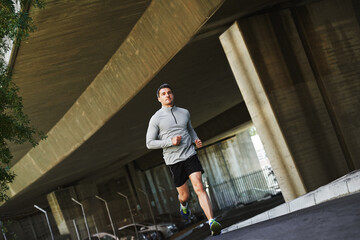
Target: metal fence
246, 189
241, 190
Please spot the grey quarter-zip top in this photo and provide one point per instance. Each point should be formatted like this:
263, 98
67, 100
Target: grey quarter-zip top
166, 123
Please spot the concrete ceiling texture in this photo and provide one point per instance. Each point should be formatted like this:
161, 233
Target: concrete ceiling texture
73, 42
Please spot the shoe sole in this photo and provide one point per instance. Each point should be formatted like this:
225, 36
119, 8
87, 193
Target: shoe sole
187, 216
215, 229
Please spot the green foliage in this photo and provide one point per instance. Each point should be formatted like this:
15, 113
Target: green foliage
14, 123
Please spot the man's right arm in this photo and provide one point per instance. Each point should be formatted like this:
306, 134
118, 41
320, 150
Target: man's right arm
152, 141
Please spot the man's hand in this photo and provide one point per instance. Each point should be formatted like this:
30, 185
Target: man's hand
198, 143
176, 140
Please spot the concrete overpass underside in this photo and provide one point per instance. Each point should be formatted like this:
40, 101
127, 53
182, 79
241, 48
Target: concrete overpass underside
88, 81
88, 76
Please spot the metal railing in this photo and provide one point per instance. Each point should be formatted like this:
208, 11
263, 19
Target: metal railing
241, 190
245, 189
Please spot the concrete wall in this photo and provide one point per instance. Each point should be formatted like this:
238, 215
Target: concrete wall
331, 41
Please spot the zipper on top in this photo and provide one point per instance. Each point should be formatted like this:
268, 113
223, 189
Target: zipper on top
173, 115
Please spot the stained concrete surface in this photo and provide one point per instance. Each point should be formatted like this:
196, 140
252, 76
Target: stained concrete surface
337, 219
229, 217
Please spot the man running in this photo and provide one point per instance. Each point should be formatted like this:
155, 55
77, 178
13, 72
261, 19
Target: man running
170, 129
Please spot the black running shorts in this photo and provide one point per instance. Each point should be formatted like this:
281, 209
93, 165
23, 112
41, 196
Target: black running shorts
180, 171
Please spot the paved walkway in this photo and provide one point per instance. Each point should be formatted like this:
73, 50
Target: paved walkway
330, 212
337, 219
229, 218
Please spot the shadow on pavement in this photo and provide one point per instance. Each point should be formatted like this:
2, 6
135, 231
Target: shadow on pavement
228, 217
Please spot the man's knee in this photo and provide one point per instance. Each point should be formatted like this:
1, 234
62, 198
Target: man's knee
184, 197
198, 188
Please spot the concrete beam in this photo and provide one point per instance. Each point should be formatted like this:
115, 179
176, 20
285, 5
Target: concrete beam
162, 31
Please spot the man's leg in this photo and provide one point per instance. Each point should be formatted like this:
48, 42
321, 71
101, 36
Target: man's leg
184, 194
196, 180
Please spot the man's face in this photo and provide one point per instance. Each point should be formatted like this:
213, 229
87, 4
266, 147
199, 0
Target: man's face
166, 97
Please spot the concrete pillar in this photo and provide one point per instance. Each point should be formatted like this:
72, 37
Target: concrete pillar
136, 183
296, 73
132, 184
108, 186
152, 190
64, 210
262, 114
93, 208
31, 226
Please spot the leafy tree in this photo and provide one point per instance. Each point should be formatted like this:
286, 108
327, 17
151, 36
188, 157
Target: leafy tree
14, 123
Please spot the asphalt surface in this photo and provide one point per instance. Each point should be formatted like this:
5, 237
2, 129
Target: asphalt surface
229, 217
337, 219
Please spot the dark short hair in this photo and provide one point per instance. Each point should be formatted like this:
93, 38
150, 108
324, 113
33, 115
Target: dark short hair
165, 85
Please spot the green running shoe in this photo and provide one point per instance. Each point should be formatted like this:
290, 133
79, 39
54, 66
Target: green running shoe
215, 227
185, 211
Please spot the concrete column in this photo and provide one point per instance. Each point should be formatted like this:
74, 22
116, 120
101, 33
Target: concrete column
64, 210
295, 72
131, 184
136, 183
108, 186
262, 113
86, 192
31, 226
154, 191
